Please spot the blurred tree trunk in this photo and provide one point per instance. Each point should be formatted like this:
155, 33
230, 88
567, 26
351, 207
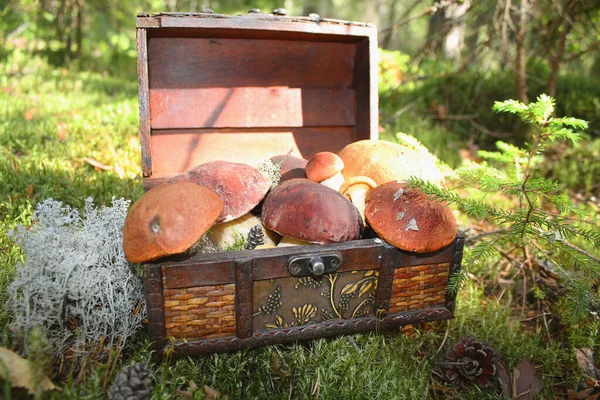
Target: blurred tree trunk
569, 16
393, 23
391, 17
455, 38
324, 8
79, 29
520, 68
446, 32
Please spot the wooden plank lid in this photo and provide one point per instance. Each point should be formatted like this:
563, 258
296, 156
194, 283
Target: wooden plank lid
246, 88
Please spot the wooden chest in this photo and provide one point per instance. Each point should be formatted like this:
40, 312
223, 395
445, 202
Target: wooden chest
243, 89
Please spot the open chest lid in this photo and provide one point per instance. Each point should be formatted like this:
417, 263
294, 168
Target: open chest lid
249, 87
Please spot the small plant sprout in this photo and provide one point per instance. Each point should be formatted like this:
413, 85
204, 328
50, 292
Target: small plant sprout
539, 221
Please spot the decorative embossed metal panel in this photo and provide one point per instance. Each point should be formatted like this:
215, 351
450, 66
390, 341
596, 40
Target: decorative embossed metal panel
288, 302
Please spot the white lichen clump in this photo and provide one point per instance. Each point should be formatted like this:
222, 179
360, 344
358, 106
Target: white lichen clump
271, 170
76, 283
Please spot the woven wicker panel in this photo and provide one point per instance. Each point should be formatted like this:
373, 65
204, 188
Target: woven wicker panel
200, 312
419, 287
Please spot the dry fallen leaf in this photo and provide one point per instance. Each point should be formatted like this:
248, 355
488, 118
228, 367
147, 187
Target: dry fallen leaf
17, 370
61, 131
98, 164
585, 359
526, 382
504, 380
277, 370
211, 393
188, 394
29, 114
591, 393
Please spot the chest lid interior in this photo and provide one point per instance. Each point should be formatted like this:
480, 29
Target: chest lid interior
246, 88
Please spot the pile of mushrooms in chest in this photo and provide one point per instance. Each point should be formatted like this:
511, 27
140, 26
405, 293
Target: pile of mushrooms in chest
330, 198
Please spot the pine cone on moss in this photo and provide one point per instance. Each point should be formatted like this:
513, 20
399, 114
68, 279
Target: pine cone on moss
471, 361
256, 237
133, 382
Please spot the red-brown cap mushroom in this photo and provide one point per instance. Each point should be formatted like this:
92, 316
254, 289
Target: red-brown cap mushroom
240, 186
290, 166
168, 219
406, 218
306, 210
326, 168
355, 189
385, 161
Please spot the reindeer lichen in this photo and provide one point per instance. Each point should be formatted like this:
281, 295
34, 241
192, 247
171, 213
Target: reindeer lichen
271, 170
76, 283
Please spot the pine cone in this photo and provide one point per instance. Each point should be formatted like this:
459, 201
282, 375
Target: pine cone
471, 361
133, 382
256, 237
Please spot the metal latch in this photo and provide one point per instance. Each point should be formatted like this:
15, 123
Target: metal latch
314, 265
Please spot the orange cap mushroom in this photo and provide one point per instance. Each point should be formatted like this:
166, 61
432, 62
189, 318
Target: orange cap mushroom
326, 168
168, 219
385, 161
406, 218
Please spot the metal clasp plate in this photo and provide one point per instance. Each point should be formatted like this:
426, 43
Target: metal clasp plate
314, 265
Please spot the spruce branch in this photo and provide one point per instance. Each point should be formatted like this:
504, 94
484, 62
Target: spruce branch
580, 250
542, 220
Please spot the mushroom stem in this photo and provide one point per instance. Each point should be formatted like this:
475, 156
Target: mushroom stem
287, 241
357, 195
355, 189
335, 182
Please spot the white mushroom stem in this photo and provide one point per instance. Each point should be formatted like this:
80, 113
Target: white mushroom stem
355, 189
334, 182
287, 241
226, 234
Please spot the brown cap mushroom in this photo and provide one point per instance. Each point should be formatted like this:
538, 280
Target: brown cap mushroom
326, 168
355, 189
406, 218
240, 186
168, 219
306, 210
290, 166
385, 161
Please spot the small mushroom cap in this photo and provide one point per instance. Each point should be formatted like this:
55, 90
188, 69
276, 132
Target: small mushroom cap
291, 166
168, 219
385, 161
406, 218
323, 166
240, 186
306, 210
